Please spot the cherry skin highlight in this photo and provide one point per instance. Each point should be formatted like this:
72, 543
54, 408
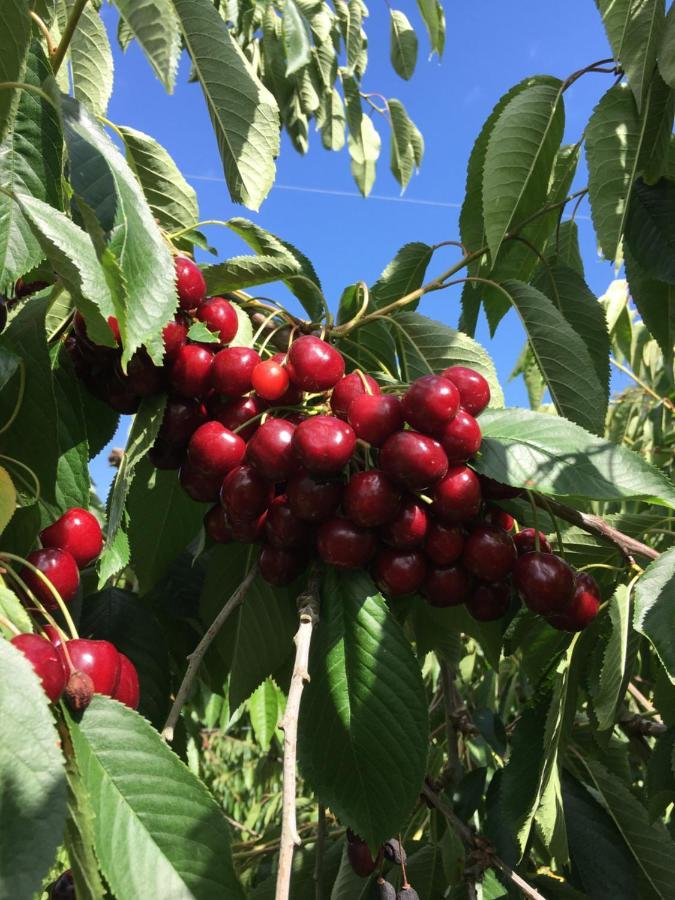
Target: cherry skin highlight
446, 586
456, 498
342, 543
414, 460
190, 373
408, 528
545, 582
220, 318
313, 499
430, 403
61, 570
97, 659
474, 391
271, 450
78, 532
375, 417
270, 380
214, 450
347, 389
371, 499
190, 283
399, 572
461, 437
314, 365
489, 553
323, 444
232, 370
46, 663
128, 690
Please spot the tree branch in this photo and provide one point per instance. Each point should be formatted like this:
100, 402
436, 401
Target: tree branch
308, 609
67, 36
197, 655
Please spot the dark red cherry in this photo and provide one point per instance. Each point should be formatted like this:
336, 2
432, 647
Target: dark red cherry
545, 582
457, 496
97, 659
119, 394
143, 376
313, 364
280, 567
371, 498
190, 373
249, 531
285, 530
342, 543
174, 335
582, 608
181, 419
414, 460
587, 583
270, 380
234, 414
190, 283
196, 484
443, 543
488, 602
430, 403
359, 856
61, 570
375, 417
495, 490
409, 526
474, 391
166, 456
271, 450
525, 542
399, 572
63, 888
78, 532
313, 499
245, 493
447, 586
217, 525
489, 553
128, 690
220, 318
214, 450
348, 388
323, 444
232, 369
461, 437
500, 518
46, 663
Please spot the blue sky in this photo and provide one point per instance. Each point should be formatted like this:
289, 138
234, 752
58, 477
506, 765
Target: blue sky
315, 205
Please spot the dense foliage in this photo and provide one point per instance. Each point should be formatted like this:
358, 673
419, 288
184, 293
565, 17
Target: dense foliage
513, 741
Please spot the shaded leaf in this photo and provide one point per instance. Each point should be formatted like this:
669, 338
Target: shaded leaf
154, 25
655, 608
295, 38
91, 61
15, 24
403, 44
667, 50
265, 706
655, 301
434, 18
404, 274
608, 690
650, 228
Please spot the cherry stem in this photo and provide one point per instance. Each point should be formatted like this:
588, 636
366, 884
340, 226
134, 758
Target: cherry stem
36, 480
51, 47
641, 384
10, 626
556, 526
57, 597
404, 874
537, 542
19, 398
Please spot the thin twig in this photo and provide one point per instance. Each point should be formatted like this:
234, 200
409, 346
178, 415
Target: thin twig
447, 682
51, 49
319, 851
197, 655
646, 704
67, 36
308, 609
641, 384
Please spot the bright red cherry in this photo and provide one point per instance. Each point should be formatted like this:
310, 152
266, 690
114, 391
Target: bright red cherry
46, 663
324, 444
234, 414
128, 690
474, 391
409, 527
245, 494
501, 519
214, 450
399, 572
190, 373
181, 419
313, 364
313, 499
114, 326
488, 602
232, 369
270, 380
525, 542
443, 543
174, 335
582, 608
280, 567
220, 318
217, 525
448, 586
457, 496
347, 389
414, 460
371, 498
99, 660
495, 490
545, 582
190, 283
461, 437
61, 570
430, 403
375, 417
489, 553
196, 484
78, 532
285, 530
342, 543
143, 376
271, 450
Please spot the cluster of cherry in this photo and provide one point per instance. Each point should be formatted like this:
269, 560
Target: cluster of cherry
77, 667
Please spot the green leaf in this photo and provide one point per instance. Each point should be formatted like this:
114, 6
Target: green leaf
154, 25
607, 692
172, 200
295, 38
145, 802
655, 608
265, 706
72, 471
634, 29
403, 44
434, 18
7, 498
439, 630
650, 228
244, 113
577, 391
333, 127
526, 365
33, 806
556, 457
563, 248
613, 140
13, 610
79, 833
650, 844
429, 346
407, 143
199, 332
667, 51
364, 149
15, 23
660, 772
162, 522
658, 116
31, 161
519, 159
91, 61
240, 272
363, 734
404, 274
655, 301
